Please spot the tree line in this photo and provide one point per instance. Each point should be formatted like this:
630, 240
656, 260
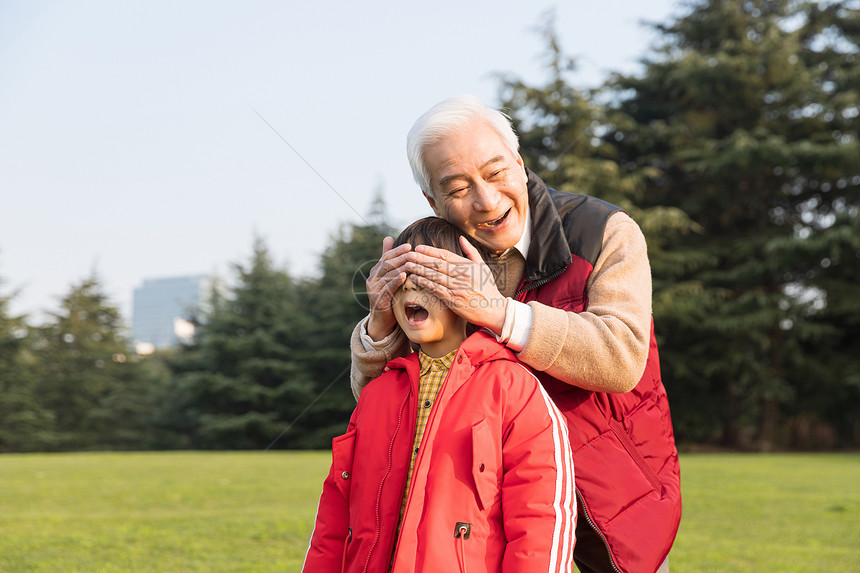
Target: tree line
735, 149
264, 350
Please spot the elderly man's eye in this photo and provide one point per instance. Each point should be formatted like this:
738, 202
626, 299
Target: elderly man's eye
498, 174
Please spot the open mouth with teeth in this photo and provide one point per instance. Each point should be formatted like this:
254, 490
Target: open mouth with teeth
495, 222
415, 313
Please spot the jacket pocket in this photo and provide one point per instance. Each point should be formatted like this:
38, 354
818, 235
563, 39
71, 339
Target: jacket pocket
624, 439
486, 459
342, 454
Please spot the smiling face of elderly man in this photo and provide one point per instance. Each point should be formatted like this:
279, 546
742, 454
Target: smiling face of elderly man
478, 183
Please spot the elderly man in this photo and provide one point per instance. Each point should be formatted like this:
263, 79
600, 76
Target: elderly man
568, 288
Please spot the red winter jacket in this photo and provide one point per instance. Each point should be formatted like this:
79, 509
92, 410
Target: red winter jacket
492, 488
627, 472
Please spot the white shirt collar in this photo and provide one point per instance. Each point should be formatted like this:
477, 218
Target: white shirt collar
526, 240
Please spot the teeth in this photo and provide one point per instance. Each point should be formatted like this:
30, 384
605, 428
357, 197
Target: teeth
495, 222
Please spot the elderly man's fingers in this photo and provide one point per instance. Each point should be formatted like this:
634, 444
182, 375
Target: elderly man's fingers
443, 274
391, 260
435, 253
470, 251
381, 290
395, 252
450, 265
387, 244
393, 281
442, 292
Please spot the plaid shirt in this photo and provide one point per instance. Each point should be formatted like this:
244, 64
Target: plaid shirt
433, 372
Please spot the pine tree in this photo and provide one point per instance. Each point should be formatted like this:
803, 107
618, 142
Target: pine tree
25, 425
746, 121
269, 363
241, 380
336, 302
831, 38
562, 131
87, 379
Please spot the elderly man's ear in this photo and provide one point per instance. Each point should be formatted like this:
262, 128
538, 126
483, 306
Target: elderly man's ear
432, 201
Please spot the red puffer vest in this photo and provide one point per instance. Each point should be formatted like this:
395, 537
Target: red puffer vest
627, 472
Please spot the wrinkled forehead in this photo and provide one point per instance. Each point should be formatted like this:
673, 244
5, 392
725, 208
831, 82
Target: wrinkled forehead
465, 149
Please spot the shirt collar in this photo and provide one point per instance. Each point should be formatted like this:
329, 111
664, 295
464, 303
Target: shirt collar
443, 363
526, 240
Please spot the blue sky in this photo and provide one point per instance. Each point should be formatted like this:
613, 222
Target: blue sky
131, 141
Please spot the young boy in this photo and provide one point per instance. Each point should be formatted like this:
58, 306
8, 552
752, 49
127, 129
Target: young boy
455, 459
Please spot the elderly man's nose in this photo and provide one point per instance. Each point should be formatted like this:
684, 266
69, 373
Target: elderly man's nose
486, 197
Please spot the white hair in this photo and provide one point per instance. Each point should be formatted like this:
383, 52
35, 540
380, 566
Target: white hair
444, 119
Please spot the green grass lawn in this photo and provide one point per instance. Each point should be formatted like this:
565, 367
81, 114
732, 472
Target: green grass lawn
769, 513
220, 511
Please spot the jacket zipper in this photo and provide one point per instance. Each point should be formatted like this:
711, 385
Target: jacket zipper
382, 483
595, 528
420, 457
540, 282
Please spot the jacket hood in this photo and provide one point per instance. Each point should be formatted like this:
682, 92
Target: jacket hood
480, 347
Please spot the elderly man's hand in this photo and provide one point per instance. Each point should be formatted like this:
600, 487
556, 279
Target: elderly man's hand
466, 285
384, 279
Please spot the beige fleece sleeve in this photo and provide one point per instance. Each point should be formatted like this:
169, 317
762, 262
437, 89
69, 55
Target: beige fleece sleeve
605, 348
368, 364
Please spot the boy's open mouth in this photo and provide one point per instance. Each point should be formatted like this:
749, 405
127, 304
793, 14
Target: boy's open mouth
495, 222
415, 313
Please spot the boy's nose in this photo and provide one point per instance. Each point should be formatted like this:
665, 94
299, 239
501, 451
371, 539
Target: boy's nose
408, 284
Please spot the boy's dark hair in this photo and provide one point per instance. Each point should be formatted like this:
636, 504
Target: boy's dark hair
435, 232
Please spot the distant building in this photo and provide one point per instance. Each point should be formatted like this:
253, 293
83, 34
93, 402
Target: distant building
162, 308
